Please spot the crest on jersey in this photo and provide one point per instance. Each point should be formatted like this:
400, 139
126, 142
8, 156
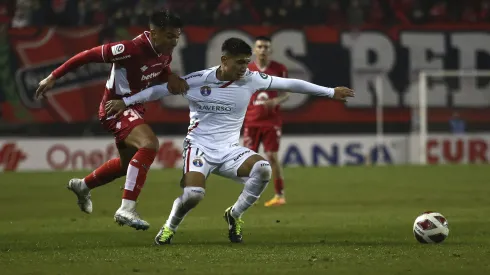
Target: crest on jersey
205, 90
264, 76
197, 162
117, 49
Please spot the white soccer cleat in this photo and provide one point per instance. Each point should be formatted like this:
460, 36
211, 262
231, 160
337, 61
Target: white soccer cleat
83, 195
131, 219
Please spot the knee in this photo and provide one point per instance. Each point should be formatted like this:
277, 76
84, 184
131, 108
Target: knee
262, 170
149, 143
192, 196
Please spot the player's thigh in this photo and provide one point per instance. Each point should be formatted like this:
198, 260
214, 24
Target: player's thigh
196, 169
130, 130
239, 164
251, 138
142, 136
271, 137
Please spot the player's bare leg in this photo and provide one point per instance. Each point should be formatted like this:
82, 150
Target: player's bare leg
193, 184
107, 172
258, 171
279, 198
142, 138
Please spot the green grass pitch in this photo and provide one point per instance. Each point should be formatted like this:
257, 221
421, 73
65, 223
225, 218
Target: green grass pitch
350, 220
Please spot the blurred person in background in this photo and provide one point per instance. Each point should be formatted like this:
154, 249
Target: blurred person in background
457, 124
263, 120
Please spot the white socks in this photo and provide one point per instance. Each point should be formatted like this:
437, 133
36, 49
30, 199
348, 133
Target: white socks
183, 204
260, 175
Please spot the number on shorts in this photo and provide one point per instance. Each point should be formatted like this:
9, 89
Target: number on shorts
133, 115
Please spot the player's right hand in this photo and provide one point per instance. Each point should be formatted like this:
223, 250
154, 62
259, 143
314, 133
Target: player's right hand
177, 85
44, 86
342, 93
115, 107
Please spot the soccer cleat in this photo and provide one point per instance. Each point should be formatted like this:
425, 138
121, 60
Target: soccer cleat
275, 201
234, 227
164, 236
131, 219
84, 198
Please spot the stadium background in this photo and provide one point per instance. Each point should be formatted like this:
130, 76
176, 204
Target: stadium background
327, 42
340, 220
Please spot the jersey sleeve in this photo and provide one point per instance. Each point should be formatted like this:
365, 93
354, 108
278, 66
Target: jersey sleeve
118, 52
149, 94
260, 81
300, 87
107, 53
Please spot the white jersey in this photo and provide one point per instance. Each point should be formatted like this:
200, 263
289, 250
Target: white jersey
217, 108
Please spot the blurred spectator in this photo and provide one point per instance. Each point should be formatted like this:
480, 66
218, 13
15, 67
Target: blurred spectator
231, 12
355, 14
469, 14
376, 14
439, 12
334, 14
23, 13
457, 124
484, 12
418, 13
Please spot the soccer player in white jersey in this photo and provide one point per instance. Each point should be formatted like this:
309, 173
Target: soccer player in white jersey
218, 99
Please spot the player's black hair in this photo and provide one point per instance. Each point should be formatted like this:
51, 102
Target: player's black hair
165, 18
262, 38
235, 46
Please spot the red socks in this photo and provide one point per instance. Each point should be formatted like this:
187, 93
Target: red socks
137, 170
106, 173
278, 186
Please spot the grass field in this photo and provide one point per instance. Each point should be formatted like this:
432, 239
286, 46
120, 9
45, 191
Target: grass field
348, 220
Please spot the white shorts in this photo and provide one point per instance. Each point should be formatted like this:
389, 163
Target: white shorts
224, 162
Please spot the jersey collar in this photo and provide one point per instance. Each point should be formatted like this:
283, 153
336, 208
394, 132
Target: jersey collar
147, 36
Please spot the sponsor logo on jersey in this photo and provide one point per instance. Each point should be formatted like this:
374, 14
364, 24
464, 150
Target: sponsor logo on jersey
117, 49
241, 155
192, 76
197, 162
121, 58
150, 76
208, 107
264, 76
205, 90
144, 68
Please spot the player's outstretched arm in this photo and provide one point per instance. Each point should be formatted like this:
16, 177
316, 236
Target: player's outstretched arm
94, 55
150, 94
116, 106
304, 87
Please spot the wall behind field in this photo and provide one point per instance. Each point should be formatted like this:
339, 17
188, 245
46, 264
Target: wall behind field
49, 154
324, 55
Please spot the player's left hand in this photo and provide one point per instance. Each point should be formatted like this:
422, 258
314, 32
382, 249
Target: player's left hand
342, 93
115, 107
177, 85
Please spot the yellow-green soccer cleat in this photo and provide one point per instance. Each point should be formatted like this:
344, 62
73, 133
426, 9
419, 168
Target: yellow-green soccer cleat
164, 236
234, 227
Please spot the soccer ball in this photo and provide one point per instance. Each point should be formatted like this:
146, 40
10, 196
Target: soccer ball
430, 227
